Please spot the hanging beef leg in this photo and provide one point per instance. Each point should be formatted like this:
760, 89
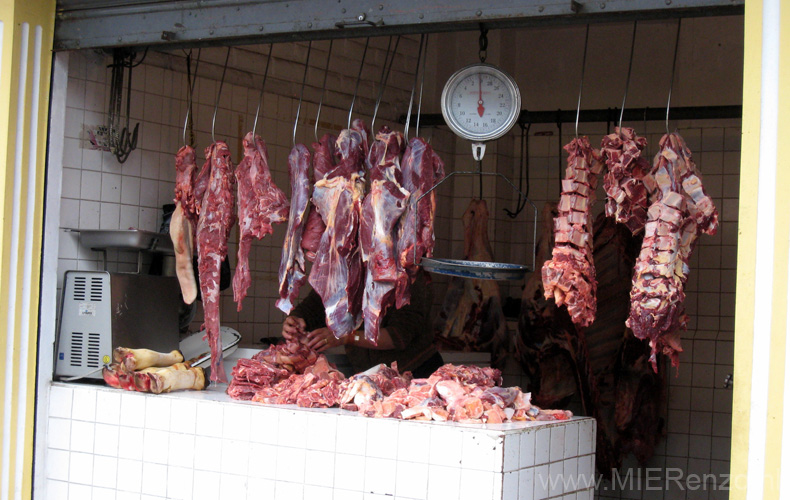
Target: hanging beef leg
292, 268
213, 228
422, 169
323, 163
260, 202
381, 210
337, 273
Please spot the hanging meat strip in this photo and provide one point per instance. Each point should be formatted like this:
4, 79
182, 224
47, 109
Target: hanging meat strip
471, 318
260, 202
292, 271
680, 211
183, 222
186, 173
323, 163
381, 210
624, 182
336, 274
214, 224
569, 277
422, 169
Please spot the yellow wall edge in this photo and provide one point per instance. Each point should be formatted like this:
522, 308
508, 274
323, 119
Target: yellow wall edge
747, 250
773, 458
13, 15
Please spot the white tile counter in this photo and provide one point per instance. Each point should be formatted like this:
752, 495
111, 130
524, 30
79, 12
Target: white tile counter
105, 443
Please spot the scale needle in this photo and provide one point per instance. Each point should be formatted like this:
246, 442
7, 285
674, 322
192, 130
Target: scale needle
480, 108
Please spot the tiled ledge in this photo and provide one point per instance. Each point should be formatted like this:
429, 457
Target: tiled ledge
106, 443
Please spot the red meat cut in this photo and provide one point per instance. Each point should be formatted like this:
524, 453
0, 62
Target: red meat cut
213, 227
260, 203
624, 181
421, 169
569, 277
679, 212
323, 163
292, 268
337, 274
381, 211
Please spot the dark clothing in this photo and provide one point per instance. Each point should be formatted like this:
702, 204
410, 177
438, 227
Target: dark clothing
409, 328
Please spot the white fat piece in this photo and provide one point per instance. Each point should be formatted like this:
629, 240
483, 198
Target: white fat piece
183, 244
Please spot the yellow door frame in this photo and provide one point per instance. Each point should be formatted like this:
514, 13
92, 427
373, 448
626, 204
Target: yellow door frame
761, 311
25, 62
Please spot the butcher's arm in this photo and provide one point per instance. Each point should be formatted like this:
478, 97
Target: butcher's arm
311, 310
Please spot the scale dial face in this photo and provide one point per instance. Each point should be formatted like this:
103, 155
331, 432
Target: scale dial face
481, 102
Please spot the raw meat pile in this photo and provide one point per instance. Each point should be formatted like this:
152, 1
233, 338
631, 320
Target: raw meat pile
569, 277
679, 212
471, 318
293, 374
204, 217
260, 203
624, 182
361, 244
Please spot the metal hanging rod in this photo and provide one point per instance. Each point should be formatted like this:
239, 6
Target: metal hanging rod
82, 24
609, 115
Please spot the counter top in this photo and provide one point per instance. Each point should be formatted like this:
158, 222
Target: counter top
194, 445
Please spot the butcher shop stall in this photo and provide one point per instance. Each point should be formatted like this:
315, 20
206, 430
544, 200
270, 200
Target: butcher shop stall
547, 195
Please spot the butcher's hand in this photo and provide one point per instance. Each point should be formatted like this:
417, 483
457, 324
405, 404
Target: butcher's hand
293, 328
322, 339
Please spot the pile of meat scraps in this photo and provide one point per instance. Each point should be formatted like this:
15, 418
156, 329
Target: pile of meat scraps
292, 373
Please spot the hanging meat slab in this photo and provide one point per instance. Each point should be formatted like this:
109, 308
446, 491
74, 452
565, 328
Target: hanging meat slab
184, 221
260, 204
292, 267
214, 224
680, 211
381, 210
323, 163
471, 318
569, 277
337, 273
624, 181
422, 169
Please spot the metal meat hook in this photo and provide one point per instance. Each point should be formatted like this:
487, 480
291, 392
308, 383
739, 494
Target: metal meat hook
356, 87
323, 90
301, 94
219, 92
581, 83
263, 85
385, 73
672, 78
627, 81
422, 85
191, 81
413, 88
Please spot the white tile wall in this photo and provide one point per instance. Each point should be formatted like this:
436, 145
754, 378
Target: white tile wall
388, 459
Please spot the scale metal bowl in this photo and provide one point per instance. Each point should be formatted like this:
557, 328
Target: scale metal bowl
475, 269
